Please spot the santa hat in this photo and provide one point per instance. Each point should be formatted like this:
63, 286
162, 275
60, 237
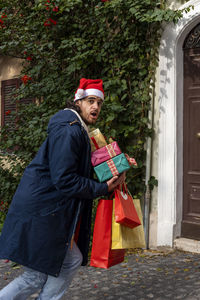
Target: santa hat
88, 87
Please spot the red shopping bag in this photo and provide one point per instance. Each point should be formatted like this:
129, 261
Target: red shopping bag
125, 212
102, 255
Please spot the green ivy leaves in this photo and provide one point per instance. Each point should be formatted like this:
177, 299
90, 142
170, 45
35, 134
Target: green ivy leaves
115, 40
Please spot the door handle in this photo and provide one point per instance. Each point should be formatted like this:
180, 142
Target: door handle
198, 135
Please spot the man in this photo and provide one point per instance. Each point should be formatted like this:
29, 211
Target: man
54, 195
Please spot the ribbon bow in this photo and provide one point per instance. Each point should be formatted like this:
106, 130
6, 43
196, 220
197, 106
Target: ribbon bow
131, 160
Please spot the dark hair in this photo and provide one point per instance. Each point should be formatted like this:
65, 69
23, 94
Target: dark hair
72, 105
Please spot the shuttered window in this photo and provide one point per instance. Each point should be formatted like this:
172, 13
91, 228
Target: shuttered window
8, 103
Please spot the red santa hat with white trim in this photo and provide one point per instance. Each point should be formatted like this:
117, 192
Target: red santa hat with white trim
88, 87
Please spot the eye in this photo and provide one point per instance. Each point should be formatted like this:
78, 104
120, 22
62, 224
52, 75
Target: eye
91, 101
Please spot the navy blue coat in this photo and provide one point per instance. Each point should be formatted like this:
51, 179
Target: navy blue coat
53, 193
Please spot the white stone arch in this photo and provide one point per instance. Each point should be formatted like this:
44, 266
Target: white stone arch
170, 160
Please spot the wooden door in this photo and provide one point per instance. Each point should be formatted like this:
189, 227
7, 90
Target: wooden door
191, 138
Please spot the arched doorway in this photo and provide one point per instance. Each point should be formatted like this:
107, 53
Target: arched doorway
170, 129
190, 227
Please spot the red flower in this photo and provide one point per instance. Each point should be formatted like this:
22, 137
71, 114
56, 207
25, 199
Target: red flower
55, 9
104, 0
47, 6
1, 21
49, 21
52, 21
7, 113
46, 23
29, 58
25, 79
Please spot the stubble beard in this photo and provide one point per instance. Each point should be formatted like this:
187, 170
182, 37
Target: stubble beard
93, 122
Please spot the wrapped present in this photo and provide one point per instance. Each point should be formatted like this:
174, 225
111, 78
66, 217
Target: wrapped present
112, 167
105, 153
97, 139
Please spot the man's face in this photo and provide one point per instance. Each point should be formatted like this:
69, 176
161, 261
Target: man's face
90, 108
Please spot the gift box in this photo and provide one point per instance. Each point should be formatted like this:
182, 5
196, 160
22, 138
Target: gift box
112, 167
97, 140
105, 153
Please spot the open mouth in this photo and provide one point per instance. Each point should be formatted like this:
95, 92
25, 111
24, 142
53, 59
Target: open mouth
94, 114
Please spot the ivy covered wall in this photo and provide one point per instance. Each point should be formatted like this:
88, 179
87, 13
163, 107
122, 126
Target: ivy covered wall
62, 41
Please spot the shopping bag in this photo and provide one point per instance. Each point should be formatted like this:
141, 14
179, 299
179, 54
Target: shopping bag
125, 211
102, 255
124, 237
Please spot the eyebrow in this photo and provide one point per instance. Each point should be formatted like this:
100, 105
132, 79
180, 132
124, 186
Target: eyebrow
93, 98
90, 97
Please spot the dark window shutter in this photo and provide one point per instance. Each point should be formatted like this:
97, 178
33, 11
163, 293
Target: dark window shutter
8, 103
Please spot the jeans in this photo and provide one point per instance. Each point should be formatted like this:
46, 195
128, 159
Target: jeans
51, 288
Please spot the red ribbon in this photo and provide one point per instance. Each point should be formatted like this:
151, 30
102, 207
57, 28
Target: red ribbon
94, 142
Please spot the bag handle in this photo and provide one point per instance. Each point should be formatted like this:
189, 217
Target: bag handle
124, 188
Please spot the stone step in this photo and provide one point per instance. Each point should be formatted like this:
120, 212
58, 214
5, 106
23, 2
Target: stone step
188, 245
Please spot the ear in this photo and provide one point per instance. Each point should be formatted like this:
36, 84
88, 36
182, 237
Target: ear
77, 102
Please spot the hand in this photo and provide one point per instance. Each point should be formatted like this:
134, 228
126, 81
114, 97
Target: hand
115, 181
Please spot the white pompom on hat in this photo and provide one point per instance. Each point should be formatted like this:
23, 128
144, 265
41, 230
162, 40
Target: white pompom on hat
88, 87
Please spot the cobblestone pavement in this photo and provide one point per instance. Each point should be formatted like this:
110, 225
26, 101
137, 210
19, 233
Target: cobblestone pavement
157, 275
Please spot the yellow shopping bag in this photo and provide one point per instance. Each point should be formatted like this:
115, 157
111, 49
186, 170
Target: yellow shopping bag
124, 237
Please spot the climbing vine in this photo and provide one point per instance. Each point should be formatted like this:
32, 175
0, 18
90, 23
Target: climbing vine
61, 41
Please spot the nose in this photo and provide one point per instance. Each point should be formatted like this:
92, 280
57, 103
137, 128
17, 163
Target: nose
95, 105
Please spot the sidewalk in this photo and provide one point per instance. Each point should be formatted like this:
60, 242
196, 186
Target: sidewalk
157, 275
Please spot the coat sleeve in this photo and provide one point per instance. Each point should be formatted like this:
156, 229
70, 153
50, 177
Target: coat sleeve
64, 150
